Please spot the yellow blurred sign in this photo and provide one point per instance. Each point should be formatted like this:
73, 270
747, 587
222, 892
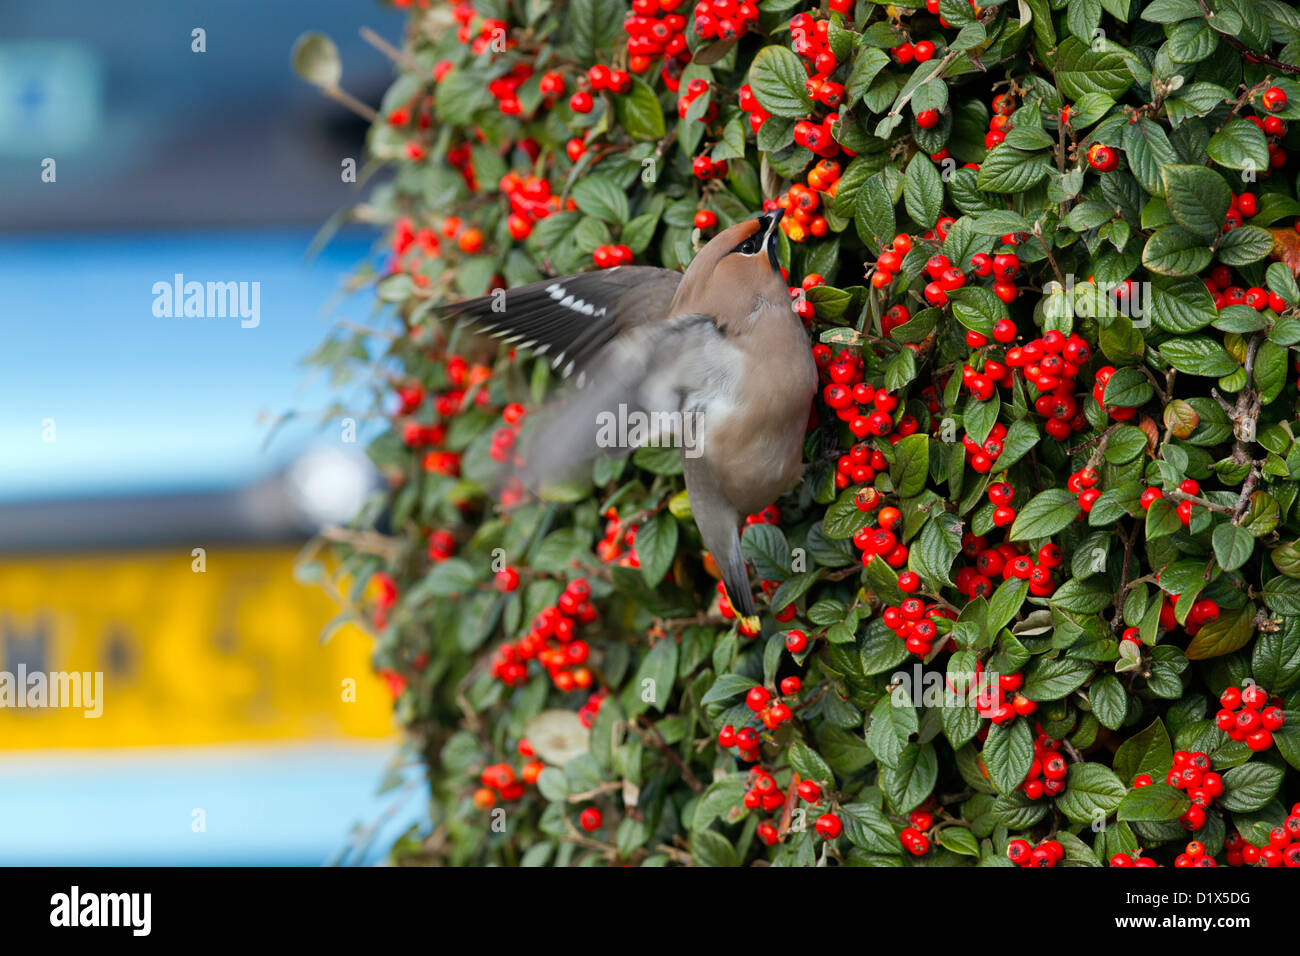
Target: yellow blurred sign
230, 653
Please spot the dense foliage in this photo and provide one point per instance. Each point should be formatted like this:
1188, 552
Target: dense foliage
1038, 596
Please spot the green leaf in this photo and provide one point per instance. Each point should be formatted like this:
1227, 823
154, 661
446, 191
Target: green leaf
1244, 245
765, 546
1240, 145
711, 848
923, 191
656, 545
810, 765
1005, 602
1174, 251
1250, 786
599, 197
639, 113
959, 840
866, 827
1047, 513
1080, 71
1092, 793
593, 26
1233, 545
932, 554
1148, 751
1223, 635
911, 464
1052, 678
866, 64
1010, 170
912, 779
1008, 754
1156, 803
977, 308
778, 79
1181, 305
844, 518
1198, 355
1109, 701
1198, 198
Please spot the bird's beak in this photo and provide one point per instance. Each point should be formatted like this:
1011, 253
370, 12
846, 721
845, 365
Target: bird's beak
768, 223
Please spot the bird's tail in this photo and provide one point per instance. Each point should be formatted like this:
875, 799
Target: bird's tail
719, 524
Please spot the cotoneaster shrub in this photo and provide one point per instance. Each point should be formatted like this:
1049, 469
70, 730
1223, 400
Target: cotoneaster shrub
1038, 598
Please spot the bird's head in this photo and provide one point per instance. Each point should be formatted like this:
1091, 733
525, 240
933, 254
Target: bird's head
735, 271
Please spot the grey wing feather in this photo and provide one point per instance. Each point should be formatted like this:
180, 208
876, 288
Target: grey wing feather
641, 371
572, 318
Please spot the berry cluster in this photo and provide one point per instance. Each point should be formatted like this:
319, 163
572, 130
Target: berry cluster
724, 19
694, 90
982, 457
868, 411
1046, 775
1007, 561
607, 256
1191, 773
1050, 364
1194, 855
802, 204
992, 703
588, 711
469, 239
881, 541
1219, 284
811, 40
1246, 715
1004, 104
772, 712
655, 29
944, 276
382, 592
505, 89
1048, 853
914, 836
530, 200
764, 792
705, 168
890, 261
1273, 100
749, 104
1282, 849
914, 622
505, 437
617, 536
1132, 859
499, 782
552, 640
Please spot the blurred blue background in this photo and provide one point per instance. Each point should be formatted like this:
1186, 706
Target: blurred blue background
220, 165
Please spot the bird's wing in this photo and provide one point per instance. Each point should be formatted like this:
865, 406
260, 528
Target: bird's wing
648, 370
571, 319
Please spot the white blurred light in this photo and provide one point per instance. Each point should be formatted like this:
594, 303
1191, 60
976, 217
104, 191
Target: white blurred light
329, 485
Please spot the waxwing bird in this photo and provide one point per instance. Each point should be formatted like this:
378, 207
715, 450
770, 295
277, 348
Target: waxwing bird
715, 356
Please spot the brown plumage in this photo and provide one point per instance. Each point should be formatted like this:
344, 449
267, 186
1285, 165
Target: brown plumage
720, 342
